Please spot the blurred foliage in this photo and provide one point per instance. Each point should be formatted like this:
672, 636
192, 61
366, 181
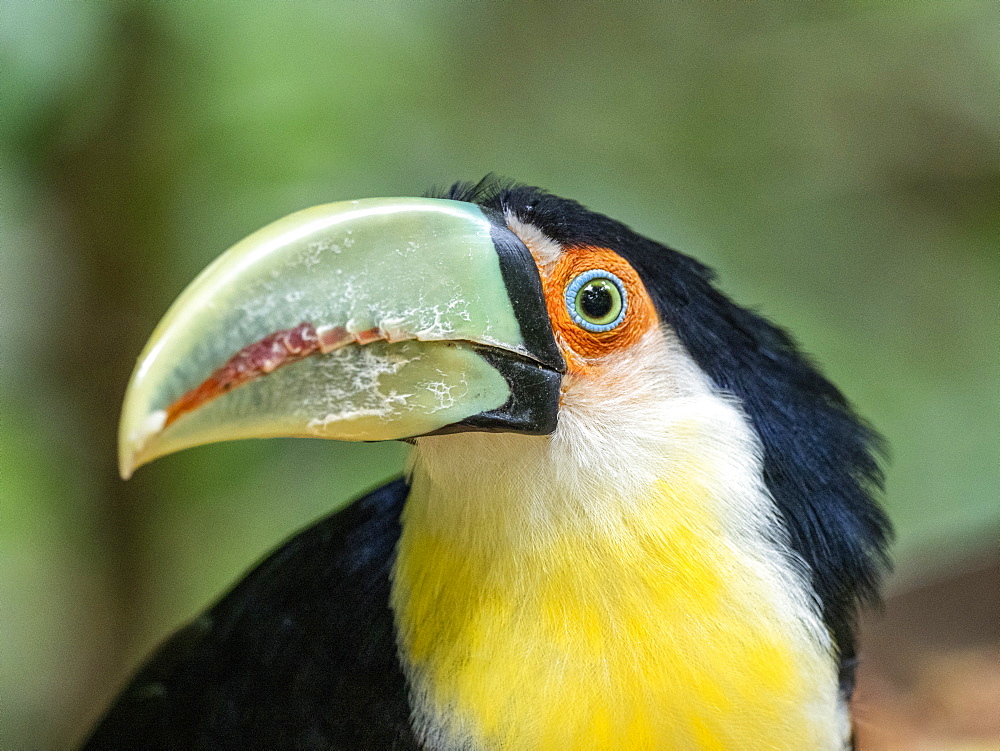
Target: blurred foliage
837, 161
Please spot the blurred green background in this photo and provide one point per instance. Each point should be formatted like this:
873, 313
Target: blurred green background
838, 162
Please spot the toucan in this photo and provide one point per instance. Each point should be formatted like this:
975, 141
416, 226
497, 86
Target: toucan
634, 514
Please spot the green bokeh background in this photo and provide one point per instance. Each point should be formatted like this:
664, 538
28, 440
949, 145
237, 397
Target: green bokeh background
838, 162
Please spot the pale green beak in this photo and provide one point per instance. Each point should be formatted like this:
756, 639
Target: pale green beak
364, 320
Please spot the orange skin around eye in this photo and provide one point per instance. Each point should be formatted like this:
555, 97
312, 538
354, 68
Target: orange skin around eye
581, 348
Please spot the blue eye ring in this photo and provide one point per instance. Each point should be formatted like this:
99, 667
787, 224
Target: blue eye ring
593, 279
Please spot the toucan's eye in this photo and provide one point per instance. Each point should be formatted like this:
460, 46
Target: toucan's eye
596, 300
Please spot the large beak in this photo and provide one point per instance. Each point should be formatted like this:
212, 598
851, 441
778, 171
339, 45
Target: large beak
361, 321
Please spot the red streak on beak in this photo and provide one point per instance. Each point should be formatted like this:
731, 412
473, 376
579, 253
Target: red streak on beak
265, 356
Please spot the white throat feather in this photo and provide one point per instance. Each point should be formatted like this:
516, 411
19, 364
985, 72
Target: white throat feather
646, 453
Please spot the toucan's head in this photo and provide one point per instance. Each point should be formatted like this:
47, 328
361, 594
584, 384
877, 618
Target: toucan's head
497, 308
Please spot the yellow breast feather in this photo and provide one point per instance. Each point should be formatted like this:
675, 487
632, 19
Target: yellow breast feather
657, 635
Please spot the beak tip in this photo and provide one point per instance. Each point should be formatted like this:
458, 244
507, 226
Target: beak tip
135, 442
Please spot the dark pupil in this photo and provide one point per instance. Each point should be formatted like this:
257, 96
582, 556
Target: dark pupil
596, 300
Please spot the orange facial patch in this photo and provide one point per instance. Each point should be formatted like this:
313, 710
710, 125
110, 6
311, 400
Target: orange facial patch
581, 347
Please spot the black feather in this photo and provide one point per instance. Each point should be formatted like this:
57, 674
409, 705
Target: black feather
483, 192
300, 654
821, 461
